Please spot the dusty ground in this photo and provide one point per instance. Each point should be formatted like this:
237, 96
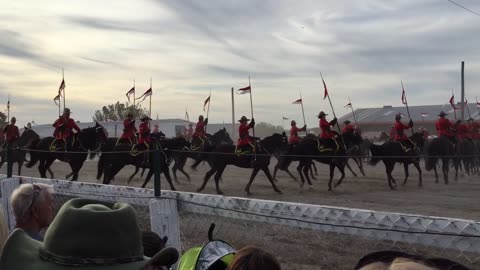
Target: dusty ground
304, 249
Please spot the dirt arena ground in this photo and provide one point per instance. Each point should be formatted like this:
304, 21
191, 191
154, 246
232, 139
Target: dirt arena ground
459, 199
304, 249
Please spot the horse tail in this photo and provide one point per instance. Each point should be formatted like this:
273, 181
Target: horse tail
430, 162
376, 151
92, 155
100, 164
34, 157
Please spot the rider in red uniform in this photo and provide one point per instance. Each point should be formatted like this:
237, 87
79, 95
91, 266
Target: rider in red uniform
444, 127
294, 132
11, 132
244, 140
129, 130
200, 135
348, 127
144, 130
64, 127
462, 130
400, 130
325, 126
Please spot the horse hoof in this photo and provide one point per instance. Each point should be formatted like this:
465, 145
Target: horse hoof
330, 189
199, 190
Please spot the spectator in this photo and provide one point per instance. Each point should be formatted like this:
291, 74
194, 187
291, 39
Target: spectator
3, 229
32, 206
253, 258
397, 260
85, 234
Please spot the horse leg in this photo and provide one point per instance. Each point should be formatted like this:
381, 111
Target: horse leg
143, 172
100, 166
217, 177
342, 176
133, 175
76, 165
300, 166
147, 179
405, 167
360, 165
291, 175
457, 165
270, 178
445, 168
275, 170
436, 174
19, 166
46, 166
315, 168
417, 165
195, 165
206, 178
166, 172
350, 169
306, 170
252, 176
391, 181
332, 168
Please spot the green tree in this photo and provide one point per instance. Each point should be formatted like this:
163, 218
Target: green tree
116, 112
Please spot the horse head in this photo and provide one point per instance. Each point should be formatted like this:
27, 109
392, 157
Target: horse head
418, 139
352, 138
92, 138
221, 137
28, 138
275, 143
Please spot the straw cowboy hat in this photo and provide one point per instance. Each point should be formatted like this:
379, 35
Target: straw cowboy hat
66, 110
85, 235
346, 122
243, 118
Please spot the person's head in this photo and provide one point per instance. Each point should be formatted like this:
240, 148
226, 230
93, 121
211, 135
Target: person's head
243, 120
442, 114
398, 260
86, 234
32, 204
398, 117
13, 120
253, 258
29, 125
200, 118
293, 123
129, 115
3, 229
322, 115
66, 113
347, 122
145, 119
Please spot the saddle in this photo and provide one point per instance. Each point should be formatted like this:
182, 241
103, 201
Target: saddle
245, 149
407, 146
126, 141
139, 148
198, 143
325, 145
63, 144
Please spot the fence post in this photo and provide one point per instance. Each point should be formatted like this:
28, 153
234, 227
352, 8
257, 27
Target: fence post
156, 180
8, 186
9, 162
164, 219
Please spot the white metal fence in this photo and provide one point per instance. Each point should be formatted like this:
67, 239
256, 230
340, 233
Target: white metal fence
303, 236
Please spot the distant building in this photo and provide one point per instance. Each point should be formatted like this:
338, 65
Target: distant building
372, 121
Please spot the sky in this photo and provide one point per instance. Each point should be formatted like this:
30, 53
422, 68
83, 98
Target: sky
363, 48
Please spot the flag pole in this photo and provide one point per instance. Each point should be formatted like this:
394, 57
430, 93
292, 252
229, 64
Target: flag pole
283, 122
303, 113
8, 109
454, 110
333, 111
353, 113
478, 109
150, 106
251, 102
208, 108
134, 108
406, 104
233, 115
64, 90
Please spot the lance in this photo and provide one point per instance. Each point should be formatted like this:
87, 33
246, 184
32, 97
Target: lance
134, 108
478, 104
251, 103
303, 113
404, 101
333, 111
208, 108
150, 106
8, 109
64, 90
353, 113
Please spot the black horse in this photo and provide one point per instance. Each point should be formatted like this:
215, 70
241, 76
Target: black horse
19, 148
224, 154
465, 151
392, 152
122, 155
88, 139
180, 158
440, 148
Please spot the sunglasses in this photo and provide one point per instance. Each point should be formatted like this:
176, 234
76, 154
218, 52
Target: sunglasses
389, 256
36, 191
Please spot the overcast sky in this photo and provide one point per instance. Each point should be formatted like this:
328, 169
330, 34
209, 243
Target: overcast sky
362, 47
